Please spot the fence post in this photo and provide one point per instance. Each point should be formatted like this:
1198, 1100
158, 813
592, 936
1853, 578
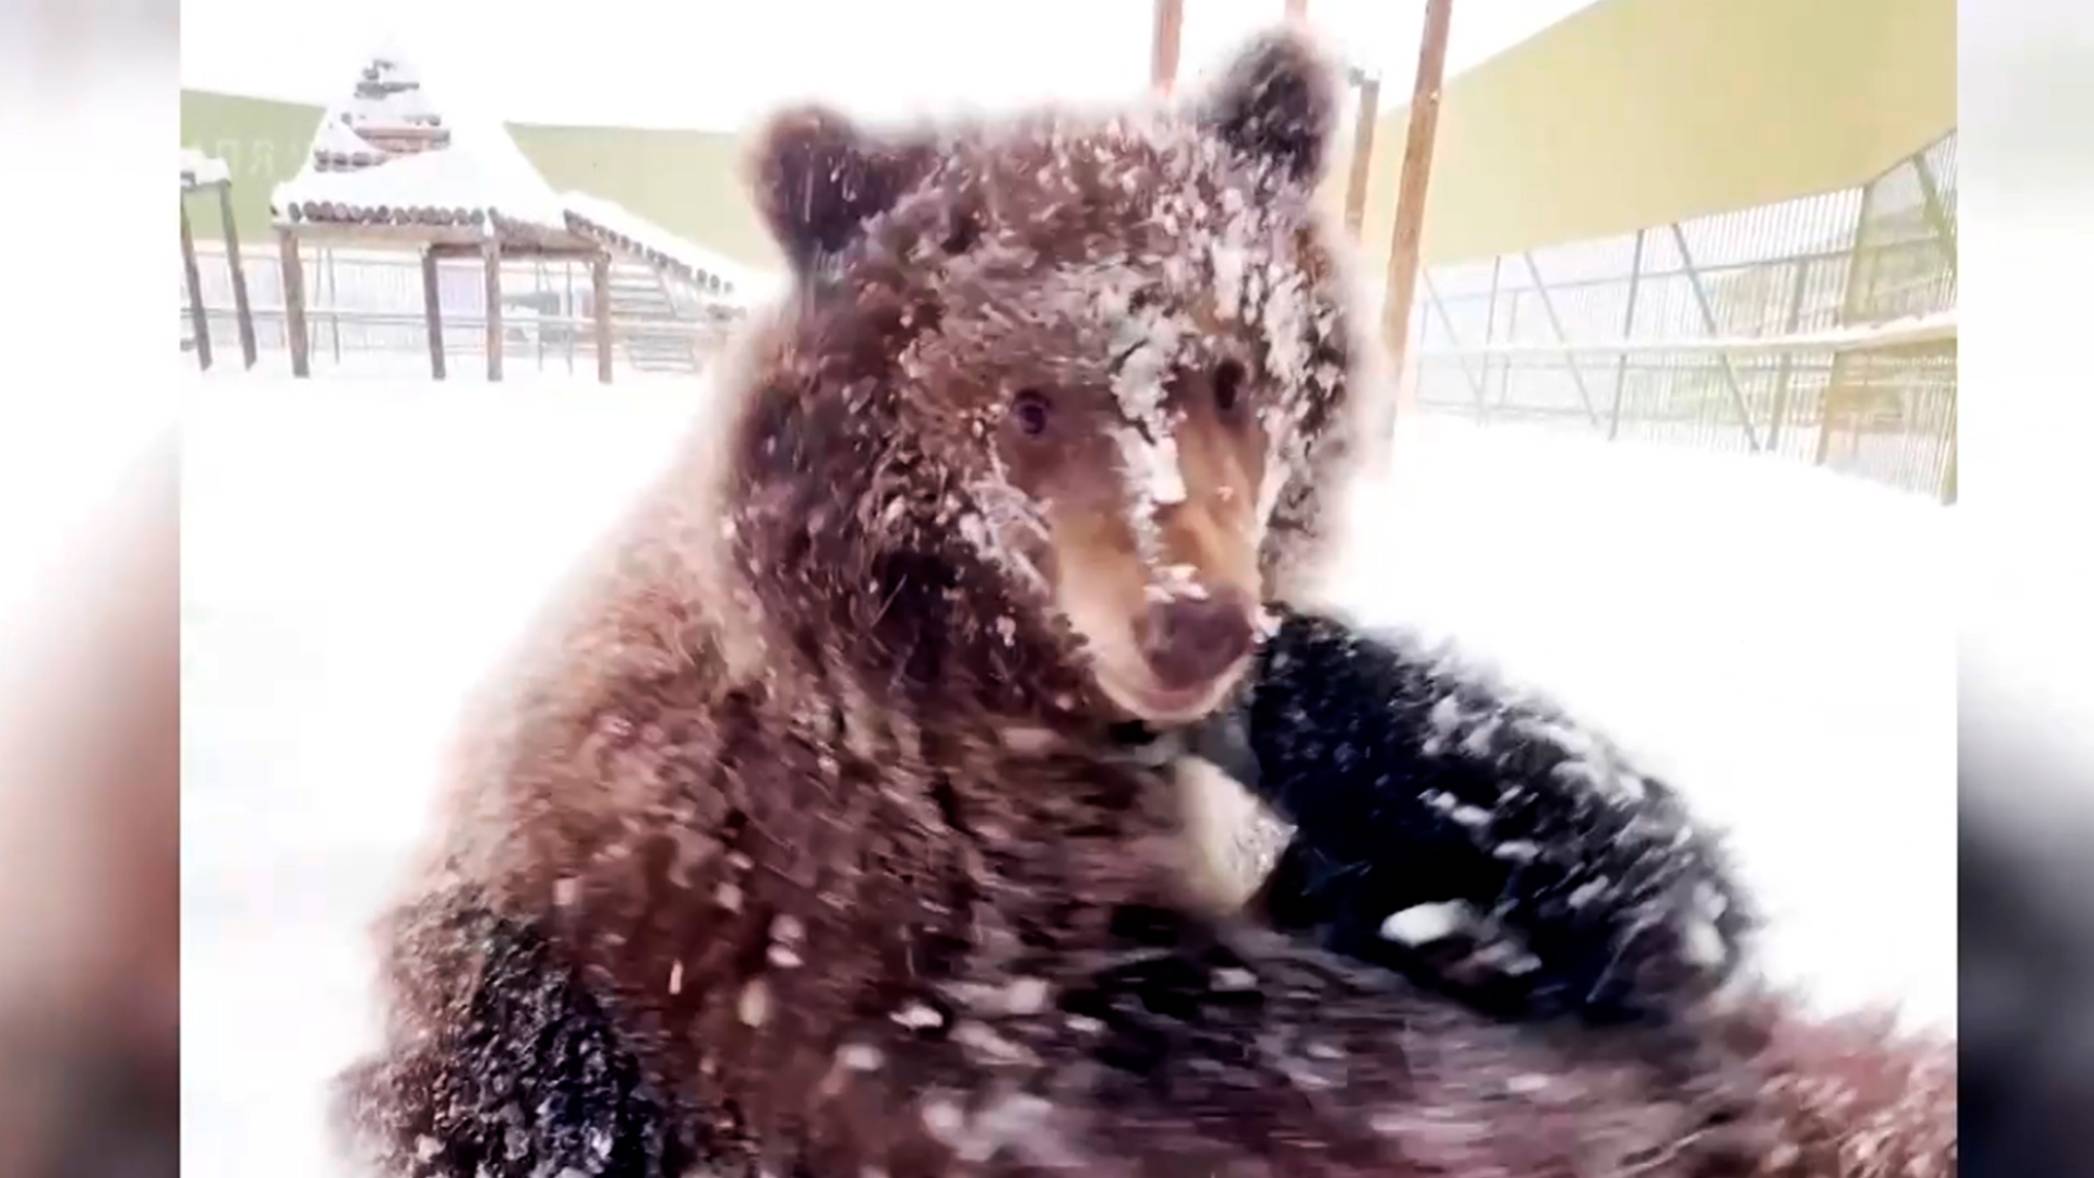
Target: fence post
334, 307
432, 313
1476, 387
1708, 320
1850, 304
600, 278
199, 321
1628, 328
1406, 235
241, 310
1490, 336
1163, 47
1362, 150
1781, 379
538, 275
491, 258
1570, 360
1937, 216
294, 303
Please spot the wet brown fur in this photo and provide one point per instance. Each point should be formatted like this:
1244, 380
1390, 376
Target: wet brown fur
802, 842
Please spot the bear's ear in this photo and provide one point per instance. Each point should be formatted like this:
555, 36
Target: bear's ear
818, 180
1277, 103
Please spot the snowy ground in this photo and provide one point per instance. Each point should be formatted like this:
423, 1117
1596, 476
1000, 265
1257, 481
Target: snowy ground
357, 553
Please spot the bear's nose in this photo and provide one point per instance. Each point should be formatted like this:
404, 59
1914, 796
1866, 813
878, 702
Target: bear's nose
1190, 640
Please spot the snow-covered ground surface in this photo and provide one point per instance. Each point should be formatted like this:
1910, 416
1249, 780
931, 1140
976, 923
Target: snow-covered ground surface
358, 553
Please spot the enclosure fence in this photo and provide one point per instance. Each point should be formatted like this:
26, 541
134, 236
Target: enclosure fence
1820, 329
362, 303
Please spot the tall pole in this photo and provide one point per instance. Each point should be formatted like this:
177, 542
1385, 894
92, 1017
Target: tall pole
1163, 53
1362, 149
1410, 197
199, 319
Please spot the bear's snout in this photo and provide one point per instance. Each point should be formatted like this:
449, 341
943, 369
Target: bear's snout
1188, 641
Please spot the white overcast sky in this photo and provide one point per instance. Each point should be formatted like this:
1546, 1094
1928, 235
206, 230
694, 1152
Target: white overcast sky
716, 65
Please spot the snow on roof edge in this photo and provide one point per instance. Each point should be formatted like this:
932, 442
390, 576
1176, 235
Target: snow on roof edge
748, 282
199, 169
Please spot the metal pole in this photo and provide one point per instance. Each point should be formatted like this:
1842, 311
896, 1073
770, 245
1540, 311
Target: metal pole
1628, 328
1490, 334
1556, 325
1432, 299
1782, 375
1851, 299
1411, 187
1937, 214
1708, 320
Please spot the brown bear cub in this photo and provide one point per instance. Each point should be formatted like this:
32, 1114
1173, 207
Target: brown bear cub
813, 839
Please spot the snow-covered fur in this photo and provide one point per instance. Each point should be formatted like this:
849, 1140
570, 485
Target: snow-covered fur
810, 840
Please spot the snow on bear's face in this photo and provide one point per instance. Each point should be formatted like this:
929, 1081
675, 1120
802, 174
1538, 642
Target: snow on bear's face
1123, 335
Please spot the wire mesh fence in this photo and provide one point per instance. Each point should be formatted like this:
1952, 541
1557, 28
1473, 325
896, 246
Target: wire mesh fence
1819, 328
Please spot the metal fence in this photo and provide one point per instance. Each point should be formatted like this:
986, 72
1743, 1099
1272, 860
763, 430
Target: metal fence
1820, 328
362, 302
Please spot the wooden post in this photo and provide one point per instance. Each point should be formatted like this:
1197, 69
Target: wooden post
600, 278
1362, 151
334, 304
433, 314
199, 322
491, 257
1410, 190
567, 311
294, 302
241, 309
1163, 51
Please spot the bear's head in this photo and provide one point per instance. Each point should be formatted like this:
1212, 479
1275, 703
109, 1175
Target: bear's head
1054, 403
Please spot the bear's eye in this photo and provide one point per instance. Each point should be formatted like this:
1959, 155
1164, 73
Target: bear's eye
1032, 412
1228, 386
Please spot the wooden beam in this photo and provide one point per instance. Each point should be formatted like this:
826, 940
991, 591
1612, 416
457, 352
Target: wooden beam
600, 279
294, 302
491, 258
241, 309
1163, 50
199, 322
511, 249
433, 314
1410, 190
1362, 152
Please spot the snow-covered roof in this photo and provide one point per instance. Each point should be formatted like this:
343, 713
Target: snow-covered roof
384, 156
622, 229
199, 169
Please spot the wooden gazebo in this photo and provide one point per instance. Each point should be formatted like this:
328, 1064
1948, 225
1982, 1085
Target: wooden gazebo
203, 174
387, 170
